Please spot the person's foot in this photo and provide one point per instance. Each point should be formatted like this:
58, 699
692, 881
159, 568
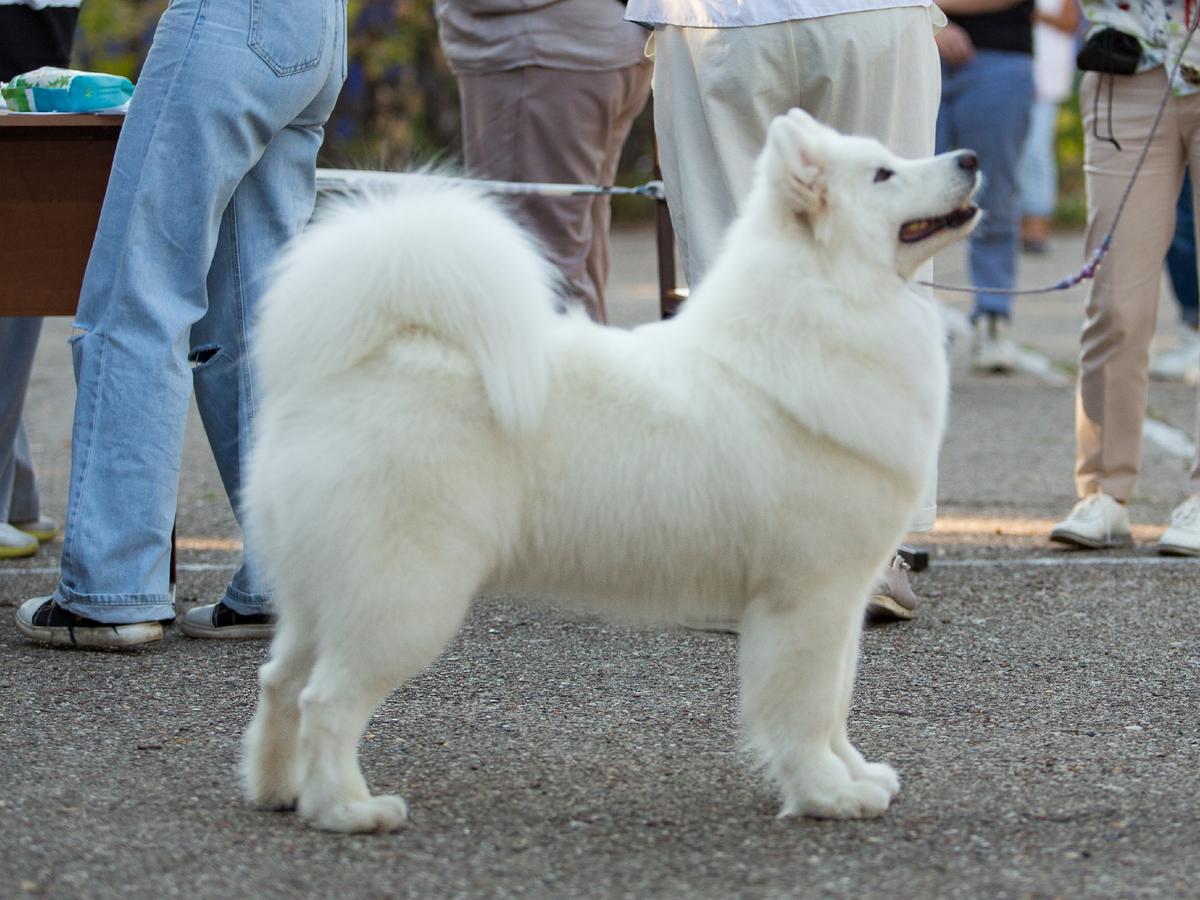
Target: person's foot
1182, 537
41, 619
1035, 235
1179, 363
15, 543
43, 528
1096, 522
894, 599
991, 349
216, 620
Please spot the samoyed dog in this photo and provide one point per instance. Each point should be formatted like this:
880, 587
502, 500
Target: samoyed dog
432, 429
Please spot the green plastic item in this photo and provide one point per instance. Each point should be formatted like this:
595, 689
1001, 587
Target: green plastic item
65, 90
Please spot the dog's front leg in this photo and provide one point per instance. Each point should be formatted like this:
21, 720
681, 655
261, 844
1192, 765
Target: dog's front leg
793, 682
880, 773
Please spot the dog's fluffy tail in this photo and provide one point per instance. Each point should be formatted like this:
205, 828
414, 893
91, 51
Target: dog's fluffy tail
437, 258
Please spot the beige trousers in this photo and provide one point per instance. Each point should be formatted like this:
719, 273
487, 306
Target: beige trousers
1121, 308
716, 90
552, 125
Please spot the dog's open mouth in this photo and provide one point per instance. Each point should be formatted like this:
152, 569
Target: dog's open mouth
919, 229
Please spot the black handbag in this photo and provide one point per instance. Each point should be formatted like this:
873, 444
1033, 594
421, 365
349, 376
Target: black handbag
1111, 52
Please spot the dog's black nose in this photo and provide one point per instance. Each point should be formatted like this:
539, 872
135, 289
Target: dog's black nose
968, 161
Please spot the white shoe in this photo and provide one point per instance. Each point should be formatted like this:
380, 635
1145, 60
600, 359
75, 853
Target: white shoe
15, 543
43, 528
1181, 362
991, 348
1182, 537
1097, 521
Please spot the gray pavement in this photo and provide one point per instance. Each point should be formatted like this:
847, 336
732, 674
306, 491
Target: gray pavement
1042, 708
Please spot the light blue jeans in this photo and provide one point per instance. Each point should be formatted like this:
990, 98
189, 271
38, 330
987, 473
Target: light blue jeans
214, 171
985, 108
1037, 176
18, 489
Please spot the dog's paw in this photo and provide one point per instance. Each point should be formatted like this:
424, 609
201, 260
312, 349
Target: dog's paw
386, 812
842, 800
278, 800
881, 774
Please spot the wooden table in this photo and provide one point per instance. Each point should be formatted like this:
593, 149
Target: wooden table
53, 172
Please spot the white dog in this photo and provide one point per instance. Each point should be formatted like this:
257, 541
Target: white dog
432, 429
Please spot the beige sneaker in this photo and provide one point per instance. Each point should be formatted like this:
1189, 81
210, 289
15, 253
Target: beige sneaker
894, 599
1182, 537
1096, 522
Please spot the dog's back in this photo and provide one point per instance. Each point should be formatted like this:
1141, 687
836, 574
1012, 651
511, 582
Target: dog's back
436, 258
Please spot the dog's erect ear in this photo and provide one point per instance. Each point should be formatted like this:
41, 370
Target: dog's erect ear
798, 146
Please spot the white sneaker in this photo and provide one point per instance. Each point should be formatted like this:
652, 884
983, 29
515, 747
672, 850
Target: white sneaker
43, 528
1181, 362
991, 348
1097, 521
15, 543
1182, 537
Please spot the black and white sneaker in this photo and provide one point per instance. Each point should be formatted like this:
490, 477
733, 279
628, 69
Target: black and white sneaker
41, 619
216, 620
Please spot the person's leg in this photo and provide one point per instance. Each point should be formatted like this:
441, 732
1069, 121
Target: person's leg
271, 205
217, 85
626, 102
992, 116
18, 340
709, 129
1038, 176
1122, 305
546, 125
1181, 258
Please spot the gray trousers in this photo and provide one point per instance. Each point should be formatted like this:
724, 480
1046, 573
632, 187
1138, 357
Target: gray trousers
535, 124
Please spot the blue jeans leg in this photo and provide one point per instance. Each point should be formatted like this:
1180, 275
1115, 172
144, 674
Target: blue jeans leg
1181, 258
18, 493
223, 79
1037, 177
985, 107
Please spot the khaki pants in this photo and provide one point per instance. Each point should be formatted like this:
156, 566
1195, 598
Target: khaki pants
553, 125
716, 90
1115, 344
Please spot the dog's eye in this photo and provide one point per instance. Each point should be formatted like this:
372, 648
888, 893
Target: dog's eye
883, 174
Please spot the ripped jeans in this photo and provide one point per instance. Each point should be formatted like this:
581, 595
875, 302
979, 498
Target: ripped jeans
214, 171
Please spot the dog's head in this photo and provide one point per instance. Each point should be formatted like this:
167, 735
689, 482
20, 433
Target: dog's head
860, 202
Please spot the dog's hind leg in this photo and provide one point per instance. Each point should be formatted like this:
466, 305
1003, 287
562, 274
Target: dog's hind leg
368, 646
791, 663
269, 747
879, 773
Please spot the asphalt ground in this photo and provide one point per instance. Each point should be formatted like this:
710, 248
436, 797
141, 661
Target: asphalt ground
1042, 708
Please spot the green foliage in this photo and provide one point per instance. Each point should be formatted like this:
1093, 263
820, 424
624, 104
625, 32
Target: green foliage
1072, 196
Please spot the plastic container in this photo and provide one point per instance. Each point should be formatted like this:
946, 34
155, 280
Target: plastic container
65, 90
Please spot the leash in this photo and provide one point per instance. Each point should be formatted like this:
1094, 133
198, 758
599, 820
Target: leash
349, 179
1089, 269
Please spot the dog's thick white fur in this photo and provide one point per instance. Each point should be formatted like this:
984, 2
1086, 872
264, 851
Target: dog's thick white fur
432, 429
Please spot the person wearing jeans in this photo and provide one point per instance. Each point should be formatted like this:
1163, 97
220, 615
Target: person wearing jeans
215, 169
32, 35
987, 92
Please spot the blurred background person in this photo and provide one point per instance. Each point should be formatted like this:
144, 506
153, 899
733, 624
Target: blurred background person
987, 91
549, 91
1054, 26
